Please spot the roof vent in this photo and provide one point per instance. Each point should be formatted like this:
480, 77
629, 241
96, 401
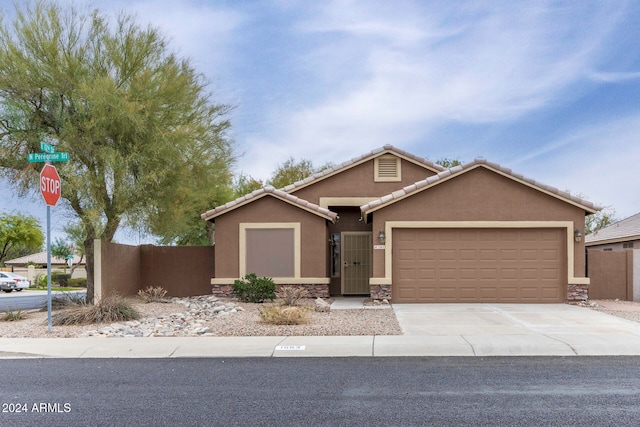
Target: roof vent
387, 168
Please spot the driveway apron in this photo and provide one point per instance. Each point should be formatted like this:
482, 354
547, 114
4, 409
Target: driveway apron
492, 329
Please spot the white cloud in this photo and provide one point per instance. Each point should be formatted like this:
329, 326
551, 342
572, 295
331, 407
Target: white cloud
598, 162
612, 77
398, 72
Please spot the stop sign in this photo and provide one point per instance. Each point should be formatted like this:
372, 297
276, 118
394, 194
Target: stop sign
50, 185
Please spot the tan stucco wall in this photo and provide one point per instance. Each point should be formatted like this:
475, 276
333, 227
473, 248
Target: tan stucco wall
358, 181
480, 195
313, 235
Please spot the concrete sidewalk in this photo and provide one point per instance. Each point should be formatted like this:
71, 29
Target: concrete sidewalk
429, 330
340, 346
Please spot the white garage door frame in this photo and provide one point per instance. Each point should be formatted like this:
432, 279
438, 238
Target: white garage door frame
391, 225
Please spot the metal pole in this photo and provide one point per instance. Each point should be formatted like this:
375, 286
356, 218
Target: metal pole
49, 267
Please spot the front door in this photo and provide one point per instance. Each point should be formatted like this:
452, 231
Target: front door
356, 262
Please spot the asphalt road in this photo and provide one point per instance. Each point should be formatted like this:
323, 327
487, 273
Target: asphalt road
27, 299
324, 392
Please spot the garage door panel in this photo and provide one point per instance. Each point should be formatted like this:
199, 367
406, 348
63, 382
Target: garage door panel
508, 254
508, 274
549, 255
488, 254
427, 273
484, 265
407, 255
550, 273
529, 255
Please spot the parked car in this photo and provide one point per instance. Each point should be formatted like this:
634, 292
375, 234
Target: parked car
12, 281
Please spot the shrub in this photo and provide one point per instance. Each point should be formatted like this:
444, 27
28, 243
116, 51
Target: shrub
291, 295
65, 300
80, 282
109, 309
255, 289
41, 280
285, 315
13, 315
151, 294
60, 278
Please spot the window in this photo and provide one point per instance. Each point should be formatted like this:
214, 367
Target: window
270, 249
627, 245
387, 169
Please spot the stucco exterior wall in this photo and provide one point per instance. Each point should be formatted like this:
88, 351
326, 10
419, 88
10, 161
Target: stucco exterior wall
480, 195
313, 235
358, 181
617, 246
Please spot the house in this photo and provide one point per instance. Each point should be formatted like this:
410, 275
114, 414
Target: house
392, 225
33, 265
623, 234
40, 258
613, 258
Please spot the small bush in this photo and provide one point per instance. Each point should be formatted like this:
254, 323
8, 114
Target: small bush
151, 294
41, 280
80, 282
255, 289
285, 315
291, 295
65, 300
13, 315
109, 309
60, 278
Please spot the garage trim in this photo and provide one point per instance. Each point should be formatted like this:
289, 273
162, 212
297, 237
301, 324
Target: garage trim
390, 225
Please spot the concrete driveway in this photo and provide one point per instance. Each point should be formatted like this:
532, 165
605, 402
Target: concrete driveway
512, 329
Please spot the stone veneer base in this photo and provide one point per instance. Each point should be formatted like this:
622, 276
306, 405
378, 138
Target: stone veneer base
315, 291
577, 293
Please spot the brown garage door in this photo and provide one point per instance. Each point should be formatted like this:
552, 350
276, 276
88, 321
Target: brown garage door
478, 265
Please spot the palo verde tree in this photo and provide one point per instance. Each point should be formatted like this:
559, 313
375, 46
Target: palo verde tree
146, 142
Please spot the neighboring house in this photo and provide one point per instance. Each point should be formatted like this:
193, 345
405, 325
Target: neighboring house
40, 259
21, 265
623, 234
393, 225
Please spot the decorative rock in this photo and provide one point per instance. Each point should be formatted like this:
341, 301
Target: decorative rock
189, 323
322, 306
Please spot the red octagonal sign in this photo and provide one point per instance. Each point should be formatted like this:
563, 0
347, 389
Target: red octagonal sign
50, 185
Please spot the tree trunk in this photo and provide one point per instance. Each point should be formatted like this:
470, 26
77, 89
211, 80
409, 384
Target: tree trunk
88, 250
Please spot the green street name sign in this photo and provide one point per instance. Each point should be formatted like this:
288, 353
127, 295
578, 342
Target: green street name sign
47, 148
48, 157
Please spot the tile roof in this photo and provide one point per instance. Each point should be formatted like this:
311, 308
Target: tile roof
361, 159
624, 230
41, 259
458, 170
270, 191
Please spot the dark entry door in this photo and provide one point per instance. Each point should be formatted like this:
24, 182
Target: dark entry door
356, 262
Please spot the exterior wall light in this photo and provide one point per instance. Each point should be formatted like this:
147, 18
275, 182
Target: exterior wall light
577, 235
382, 237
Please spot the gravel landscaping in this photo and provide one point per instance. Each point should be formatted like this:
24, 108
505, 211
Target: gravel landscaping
210, 316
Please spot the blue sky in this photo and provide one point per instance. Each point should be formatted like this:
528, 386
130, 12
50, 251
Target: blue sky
550, 89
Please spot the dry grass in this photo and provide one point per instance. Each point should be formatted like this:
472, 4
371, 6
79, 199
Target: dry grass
65, 301
109, 309
292, 295
285, 315
151, 294
13, 315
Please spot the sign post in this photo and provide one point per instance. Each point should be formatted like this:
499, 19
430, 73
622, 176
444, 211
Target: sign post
51, 189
